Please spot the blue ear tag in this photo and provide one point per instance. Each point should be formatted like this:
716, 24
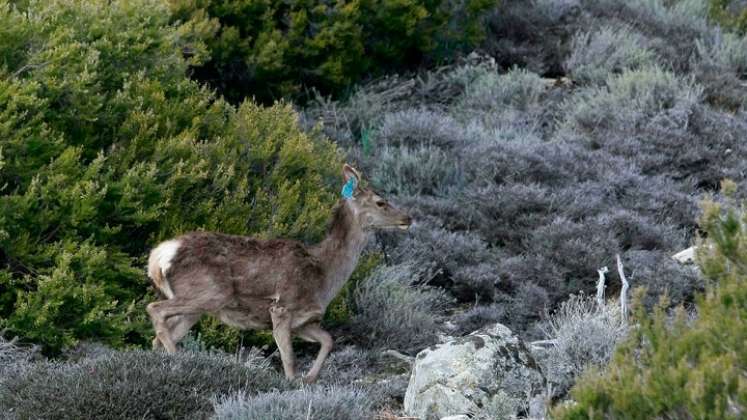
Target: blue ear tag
349, 188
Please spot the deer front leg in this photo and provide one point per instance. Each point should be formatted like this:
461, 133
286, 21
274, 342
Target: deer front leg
314, 332
281, 332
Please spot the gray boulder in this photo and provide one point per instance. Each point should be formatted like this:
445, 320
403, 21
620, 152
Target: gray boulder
488, 373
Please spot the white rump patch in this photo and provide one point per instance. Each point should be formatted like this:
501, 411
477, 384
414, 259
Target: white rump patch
165, 252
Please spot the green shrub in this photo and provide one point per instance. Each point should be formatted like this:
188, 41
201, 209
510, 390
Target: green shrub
127, 385
731, 14
675, 368
107, 148
270, 49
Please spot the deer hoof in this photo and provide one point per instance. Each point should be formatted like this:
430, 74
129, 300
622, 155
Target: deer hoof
157, 344
310, 379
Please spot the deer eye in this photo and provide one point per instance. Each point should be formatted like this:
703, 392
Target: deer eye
381, 203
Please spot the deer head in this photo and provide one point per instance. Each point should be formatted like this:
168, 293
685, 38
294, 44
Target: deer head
370, 210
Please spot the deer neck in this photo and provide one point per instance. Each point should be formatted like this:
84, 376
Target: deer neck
339, 251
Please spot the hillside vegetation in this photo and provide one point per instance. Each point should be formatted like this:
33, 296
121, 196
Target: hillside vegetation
273, 49
107, 148
676, 366
531, 141
524, 186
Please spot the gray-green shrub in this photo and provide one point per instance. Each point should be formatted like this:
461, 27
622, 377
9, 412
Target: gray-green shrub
479, 316
459, 261
492, 91
14, 359
419, 127
583, 334
658, 121
631, 101
133, 384
597, 54
557, 178
393, 311
417, 170
722, 68
308, 403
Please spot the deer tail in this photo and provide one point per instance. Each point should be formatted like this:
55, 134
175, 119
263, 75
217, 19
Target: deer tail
158, 263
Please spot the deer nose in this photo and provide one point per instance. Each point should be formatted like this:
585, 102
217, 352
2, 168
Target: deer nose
407, 220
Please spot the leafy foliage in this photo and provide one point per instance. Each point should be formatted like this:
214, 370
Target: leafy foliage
731, 14
108, 148
137, 384
274, 49
674, 366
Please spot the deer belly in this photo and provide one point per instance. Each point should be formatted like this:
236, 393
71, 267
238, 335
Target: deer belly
245, 319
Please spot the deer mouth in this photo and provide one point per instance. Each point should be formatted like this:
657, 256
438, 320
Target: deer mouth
404, 225
399, 226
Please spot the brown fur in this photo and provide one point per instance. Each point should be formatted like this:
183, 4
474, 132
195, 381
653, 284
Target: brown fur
250, 274
261, 284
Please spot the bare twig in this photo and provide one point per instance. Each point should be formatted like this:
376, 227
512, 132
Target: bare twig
624, 291
29, 66
398, 355
544, 343
387, 414
600, 285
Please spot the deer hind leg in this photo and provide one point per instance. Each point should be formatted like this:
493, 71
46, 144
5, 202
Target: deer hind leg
162, 312
314, 332
163, 334
281, 332
179, 326
171, 323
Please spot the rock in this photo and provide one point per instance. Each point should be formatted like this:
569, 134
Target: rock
687, 256
489, 371
457, 417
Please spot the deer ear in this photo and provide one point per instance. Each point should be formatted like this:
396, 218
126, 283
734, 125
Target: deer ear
350, 172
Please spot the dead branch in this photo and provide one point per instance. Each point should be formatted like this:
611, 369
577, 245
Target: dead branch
624, 291
600, 286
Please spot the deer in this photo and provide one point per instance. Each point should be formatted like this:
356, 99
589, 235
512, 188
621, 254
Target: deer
280, 285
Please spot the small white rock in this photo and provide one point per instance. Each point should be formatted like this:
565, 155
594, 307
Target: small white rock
687, 256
